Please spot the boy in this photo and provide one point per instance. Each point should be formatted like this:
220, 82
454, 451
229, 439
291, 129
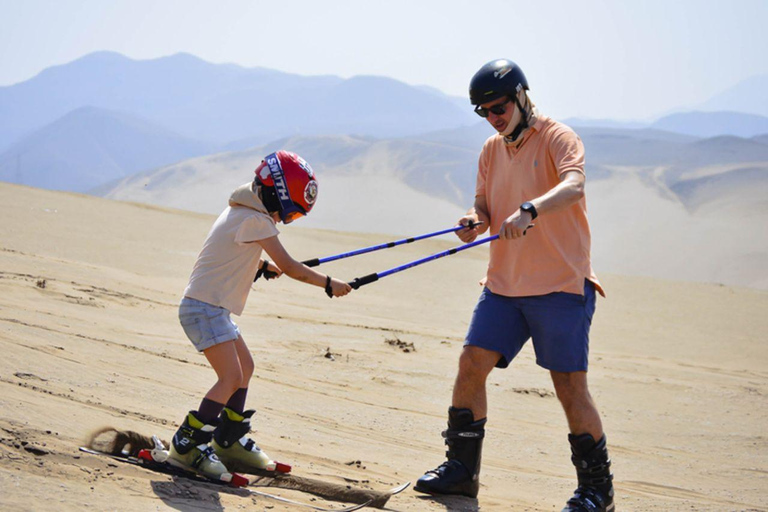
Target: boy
284, 189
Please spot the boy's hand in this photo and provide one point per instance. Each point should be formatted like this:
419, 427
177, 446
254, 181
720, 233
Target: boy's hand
273, 271
269, 270
336, 288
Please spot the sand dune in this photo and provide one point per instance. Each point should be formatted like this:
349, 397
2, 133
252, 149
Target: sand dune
89, 337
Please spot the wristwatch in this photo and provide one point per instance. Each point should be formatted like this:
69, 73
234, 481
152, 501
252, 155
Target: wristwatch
528, 207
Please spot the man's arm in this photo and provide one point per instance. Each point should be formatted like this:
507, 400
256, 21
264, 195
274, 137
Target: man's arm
570, 190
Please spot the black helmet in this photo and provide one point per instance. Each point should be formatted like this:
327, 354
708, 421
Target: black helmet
500, 77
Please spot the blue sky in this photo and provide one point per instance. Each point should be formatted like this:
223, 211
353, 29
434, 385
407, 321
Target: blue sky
587, 58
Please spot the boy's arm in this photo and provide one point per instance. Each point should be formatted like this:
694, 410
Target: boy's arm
296, 270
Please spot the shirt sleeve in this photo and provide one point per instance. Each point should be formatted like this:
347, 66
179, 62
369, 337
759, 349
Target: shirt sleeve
256, 227
567, 151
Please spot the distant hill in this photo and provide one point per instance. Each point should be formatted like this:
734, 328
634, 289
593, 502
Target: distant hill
742, 188
749, 96
91, 146
664, 155
363, 183
443, 164
712, 124
739, 110
222, 103
604, 123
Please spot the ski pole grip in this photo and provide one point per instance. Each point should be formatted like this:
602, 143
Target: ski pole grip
263, 271
360, 281
312, 263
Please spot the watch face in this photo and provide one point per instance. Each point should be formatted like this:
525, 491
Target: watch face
528, 207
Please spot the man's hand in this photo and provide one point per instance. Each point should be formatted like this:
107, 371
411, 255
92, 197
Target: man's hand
515, 225
468, 234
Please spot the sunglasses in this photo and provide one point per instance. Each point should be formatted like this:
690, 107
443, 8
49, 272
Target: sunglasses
497, 109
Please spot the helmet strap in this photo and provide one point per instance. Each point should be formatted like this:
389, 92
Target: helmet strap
269, 198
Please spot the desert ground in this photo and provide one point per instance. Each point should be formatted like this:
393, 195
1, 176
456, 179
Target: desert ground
352, 390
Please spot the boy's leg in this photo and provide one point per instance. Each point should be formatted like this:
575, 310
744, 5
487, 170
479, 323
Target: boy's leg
225, 361
237, 401
190, 447
230, 440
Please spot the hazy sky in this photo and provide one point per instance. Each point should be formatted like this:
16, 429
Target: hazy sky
589, 58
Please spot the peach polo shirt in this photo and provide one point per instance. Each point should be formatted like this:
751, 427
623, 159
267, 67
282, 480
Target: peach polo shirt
224, 270
555, 255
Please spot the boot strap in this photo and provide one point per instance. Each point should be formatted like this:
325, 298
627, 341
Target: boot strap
596, 475
204, 454
229, 432
463, 434
587, 499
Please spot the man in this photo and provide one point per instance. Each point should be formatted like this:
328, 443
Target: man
539, 284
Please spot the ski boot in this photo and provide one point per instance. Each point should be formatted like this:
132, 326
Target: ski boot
593, 469
460, 473
190, 449
236, 450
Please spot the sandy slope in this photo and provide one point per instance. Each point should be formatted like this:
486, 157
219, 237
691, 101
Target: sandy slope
678, 369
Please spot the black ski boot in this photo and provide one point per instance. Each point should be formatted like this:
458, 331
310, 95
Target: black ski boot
190, 448
593, 468
460, 473
234, 448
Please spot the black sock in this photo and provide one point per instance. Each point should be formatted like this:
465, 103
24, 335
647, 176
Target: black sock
209, 411
237, 400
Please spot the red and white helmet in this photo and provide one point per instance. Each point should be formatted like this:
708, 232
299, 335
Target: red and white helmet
293, 182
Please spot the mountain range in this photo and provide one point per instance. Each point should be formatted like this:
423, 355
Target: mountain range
90, 146
224, 103
104, 116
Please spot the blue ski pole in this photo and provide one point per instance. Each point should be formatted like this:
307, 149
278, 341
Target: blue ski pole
319, 261
268, 274
370, 278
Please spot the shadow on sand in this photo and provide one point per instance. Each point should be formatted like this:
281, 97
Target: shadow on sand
453, 503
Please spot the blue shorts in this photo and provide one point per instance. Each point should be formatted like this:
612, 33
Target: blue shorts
557, 322
206, 325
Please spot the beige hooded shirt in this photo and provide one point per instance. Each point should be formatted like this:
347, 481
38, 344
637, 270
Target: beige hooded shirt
225, 268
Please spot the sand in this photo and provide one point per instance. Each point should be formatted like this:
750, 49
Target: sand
89, 337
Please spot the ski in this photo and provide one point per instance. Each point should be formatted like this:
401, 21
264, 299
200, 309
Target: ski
237, 481
400, 488
306, 505
323, 489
